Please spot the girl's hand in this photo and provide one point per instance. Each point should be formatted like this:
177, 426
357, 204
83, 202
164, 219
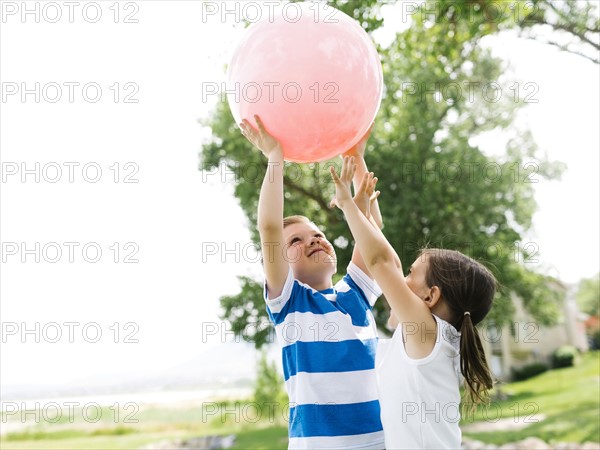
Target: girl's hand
359, 148
365, 196
343, 195
261, 139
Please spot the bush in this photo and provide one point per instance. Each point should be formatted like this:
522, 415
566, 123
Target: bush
528, 371
269, 389
564, 356
595, 340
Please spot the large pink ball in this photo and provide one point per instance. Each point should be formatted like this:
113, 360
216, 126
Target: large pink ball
313, 76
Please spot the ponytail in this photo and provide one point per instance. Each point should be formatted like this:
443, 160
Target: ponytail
468, 288
473, 365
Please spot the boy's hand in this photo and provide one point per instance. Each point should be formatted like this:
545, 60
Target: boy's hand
359, 148
365, 196
261, 138
343, 195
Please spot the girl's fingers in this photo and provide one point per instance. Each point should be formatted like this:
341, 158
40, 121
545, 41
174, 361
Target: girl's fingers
366, 184
365, 179
372, 183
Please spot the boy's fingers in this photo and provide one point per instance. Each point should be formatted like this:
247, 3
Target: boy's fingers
348, 160
261, 127
246, 127
334, 175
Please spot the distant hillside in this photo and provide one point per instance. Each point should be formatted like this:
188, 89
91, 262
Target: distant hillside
229, 365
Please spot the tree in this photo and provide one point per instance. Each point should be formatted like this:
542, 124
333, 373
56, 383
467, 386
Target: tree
268, 389
438, 187
588, 296
572, 26
575, 24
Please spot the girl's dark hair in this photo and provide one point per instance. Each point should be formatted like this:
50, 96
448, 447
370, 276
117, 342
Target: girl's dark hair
466, 286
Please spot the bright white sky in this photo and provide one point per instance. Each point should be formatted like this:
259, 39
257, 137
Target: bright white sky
172, 213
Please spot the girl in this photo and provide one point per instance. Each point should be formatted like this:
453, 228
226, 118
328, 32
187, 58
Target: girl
437, 306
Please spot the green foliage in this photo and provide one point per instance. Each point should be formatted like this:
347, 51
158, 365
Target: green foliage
528, 371
438, 188
246, 312
588, 296
269, 386
565, 356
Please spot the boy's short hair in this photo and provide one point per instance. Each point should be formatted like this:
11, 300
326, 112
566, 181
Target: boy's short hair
290, 220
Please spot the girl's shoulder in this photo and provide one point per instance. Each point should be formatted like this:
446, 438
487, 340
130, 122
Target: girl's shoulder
447, 332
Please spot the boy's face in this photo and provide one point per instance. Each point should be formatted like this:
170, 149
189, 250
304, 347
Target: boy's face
309, 254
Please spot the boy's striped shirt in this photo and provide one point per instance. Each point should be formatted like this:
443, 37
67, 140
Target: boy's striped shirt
328, 341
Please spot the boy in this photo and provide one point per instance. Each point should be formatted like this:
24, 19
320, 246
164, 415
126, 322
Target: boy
327, 333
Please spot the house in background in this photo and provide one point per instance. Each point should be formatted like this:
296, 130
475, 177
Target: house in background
524, 341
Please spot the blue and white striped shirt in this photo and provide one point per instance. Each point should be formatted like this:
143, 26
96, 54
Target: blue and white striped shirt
328, 341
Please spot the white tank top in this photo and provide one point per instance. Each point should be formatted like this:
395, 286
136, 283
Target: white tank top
420, 398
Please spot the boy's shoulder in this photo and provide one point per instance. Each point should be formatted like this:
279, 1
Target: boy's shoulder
353, 294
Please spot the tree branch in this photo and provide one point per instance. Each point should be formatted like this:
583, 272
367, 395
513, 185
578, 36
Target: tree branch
564, 48
312, 195
574, 32
568, 27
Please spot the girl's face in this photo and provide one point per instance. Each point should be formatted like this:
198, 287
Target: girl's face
415, 280
416, 277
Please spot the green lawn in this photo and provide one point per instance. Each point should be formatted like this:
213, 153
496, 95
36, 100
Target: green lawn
568, 398
275, 438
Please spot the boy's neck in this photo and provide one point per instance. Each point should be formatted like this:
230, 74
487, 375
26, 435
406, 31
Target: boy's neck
319, 285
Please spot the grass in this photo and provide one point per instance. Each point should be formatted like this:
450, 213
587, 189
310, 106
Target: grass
569, 399
152, 424
275, 438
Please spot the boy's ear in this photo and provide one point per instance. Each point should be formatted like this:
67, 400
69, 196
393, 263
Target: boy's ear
435, 294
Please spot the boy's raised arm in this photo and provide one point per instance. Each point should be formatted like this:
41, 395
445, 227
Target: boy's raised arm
270, 208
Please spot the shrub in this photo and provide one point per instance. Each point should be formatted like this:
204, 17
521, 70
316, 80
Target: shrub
269, 393
528, 371
595, 340
564, 356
